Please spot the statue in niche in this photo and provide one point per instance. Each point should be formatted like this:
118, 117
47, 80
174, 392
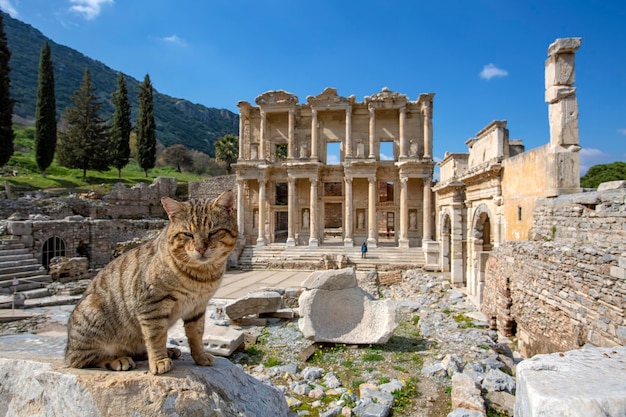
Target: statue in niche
305, 219
412, 221
360, 220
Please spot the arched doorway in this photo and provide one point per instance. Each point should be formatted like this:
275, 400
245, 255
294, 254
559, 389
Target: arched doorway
481, 238
54, 246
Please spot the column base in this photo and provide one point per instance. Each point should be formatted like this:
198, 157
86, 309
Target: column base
348, 242
403, 243
372, 243
313, 242
291, 242
431, 254
260, 241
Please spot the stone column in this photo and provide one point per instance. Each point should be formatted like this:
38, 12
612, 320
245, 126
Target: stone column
262, 135
372, 225
240, 218
403, 141
261, 226
372, 115
291, 139
563, 159
427, 234
347, 223
428, 129
348, 153
403, 242
242, 121
291, 211
313, 241
313, 134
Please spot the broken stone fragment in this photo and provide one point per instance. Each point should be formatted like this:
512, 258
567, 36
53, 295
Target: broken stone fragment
254, 303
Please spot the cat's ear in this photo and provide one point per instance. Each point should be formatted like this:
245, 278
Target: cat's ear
226, 200
171, 206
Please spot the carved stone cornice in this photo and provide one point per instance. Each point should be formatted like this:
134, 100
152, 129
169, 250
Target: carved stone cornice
279, 98
387, 96
329, 99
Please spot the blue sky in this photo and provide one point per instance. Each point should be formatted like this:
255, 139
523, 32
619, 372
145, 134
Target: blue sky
484, 60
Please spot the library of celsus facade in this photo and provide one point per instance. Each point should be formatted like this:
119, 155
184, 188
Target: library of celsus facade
335, 168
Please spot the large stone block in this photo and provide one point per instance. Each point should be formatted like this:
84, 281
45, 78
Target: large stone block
577, 383
254, 303
43, 386
19, 228
334, 279
345, 315
563, 117
560, 70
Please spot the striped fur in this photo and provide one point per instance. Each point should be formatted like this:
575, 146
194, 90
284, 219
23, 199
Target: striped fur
127, 309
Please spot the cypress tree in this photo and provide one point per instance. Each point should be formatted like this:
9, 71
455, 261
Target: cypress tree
45, 118
85, 144
146, 127
7, 135
120, 131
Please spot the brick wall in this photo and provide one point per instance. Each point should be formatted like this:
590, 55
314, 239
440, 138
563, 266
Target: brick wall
567, 286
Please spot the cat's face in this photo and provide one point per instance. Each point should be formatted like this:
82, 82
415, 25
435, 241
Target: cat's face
201, 231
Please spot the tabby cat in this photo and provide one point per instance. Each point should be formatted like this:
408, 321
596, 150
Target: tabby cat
129, 306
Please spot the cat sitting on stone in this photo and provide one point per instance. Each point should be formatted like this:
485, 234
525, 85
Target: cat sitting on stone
129, 306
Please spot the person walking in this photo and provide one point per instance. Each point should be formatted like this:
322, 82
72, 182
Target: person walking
363, 250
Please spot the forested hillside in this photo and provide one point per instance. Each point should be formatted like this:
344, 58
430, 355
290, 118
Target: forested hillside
178, 121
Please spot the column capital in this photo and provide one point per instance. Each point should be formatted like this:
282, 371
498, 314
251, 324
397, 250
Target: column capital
403, 179
313, 112
263, 113
313, 181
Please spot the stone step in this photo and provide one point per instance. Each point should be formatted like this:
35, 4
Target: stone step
24, 278
17, 260
7, 273
9, 252
12, 245
36, 293
8, 241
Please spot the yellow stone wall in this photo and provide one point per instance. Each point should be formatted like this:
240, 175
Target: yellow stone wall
523, 182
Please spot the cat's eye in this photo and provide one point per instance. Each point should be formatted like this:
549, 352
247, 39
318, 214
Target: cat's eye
189, 235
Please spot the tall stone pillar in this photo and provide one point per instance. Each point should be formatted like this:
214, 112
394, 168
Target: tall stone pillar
403, 140
403, 242
313, 240
260, 241
372, 226
242, 123
348, 132
291, 211
427, 234
314, 134
427, 111
240, 209
372, 132
563, 159
263, 133
347, 223
291, 139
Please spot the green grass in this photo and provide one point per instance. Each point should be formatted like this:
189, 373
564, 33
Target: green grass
29, 178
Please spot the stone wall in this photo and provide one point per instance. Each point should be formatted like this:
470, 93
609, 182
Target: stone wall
567, 286
212, 187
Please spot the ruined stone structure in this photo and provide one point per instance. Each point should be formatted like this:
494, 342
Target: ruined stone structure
290, 191
486, 197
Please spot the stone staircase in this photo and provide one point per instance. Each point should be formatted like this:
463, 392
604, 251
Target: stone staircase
277, 256
20, 271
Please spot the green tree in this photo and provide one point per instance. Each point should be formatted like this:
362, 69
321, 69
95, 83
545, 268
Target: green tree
598, 174
120, 131
7, 135
146, 127
177, 155
46, 117
85, 143
227, 149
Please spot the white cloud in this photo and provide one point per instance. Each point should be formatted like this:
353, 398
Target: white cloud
622, 131
384, 157
490, 71
88, 8
8, 7
332, 159
175, 40
591, 156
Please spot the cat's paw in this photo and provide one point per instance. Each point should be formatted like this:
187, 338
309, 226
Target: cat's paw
204, 359
161, 366
173, 353
123, 363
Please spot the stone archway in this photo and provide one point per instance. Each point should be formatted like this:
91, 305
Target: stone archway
480, 246
54, 246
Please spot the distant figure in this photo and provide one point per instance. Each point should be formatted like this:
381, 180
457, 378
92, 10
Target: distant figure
363, 250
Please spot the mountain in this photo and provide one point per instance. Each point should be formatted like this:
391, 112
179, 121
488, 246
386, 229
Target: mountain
178, 121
